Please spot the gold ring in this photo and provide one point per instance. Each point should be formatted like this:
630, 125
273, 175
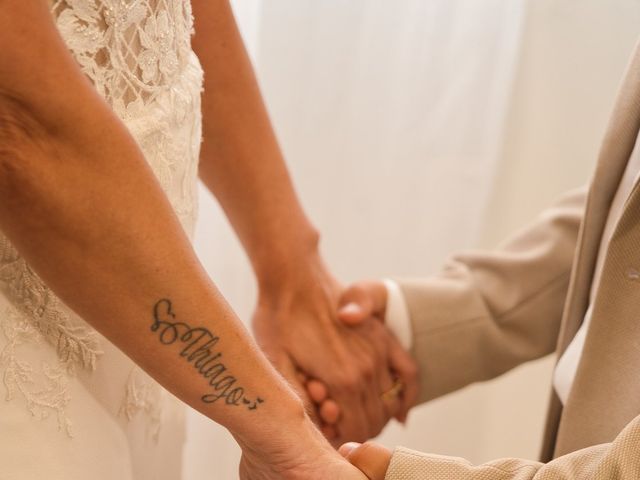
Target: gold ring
394, 392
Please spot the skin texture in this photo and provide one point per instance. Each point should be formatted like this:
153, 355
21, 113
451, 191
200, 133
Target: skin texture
295, 319
82, 206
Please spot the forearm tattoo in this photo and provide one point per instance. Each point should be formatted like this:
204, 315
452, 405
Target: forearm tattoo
199, 348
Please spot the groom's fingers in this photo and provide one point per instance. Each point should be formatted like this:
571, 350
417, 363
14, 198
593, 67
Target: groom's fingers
371, 458
378, 407
405, 367
389, 396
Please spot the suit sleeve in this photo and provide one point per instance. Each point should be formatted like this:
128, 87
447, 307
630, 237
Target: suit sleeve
486, 313
619, 459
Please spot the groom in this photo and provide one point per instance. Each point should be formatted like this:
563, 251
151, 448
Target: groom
569, 283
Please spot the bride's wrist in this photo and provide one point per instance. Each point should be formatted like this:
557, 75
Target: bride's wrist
288, 260
279, 434
306, 277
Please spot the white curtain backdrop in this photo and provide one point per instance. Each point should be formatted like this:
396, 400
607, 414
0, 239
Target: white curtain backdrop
413, 129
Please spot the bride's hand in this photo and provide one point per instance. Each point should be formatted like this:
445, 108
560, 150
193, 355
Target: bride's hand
303, 454
324, 467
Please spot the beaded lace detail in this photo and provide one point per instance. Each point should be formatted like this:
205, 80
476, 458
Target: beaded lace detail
132, 50
138, 55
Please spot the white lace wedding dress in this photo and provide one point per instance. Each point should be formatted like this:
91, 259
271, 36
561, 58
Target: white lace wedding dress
72, 406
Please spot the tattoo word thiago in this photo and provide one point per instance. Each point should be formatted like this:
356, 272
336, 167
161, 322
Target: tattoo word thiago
199, 349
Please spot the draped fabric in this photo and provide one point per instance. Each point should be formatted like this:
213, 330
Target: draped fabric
414, 129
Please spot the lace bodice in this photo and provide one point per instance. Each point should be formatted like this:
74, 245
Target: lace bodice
132, 50
137, 53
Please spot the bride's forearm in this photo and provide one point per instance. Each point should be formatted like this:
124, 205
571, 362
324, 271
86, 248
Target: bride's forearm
241, 161
79, 202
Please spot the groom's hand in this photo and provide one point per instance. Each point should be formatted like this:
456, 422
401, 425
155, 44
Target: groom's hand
296, 325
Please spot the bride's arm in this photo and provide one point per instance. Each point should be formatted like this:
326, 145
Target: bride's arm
79, 202
242, 165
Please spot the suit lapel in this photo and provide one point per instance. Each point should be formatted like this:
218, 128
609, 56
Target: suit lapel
614, 154
579, 426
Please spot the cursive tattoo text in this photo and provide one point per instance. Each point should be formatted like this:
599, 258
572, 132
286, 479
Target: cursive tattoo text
199, 348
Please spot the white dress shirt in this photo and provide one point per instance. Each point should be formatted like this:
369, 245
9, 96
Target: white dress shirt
397, 314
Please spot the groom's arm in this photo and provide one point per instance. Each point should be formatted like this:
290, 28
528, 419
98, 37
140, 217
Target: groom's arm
241, 163
485, 312
618, 459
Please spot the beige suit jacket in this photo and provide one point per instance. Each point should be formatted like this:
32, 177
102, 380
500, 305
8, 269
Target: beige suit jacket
486, 313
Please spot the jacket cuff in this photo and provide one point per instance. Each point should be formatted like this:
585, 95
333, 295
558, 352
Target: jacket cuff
407, 464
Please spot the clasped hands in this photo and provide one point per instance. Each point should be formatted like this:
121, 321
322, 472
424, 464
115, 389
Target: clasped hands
383, 382
333, 347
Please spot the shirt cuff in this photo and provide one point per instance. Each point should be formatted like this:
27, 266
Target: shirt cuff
397, 315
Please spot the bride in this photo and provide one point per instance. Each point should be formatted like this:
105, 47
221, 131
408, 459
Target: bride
100, 133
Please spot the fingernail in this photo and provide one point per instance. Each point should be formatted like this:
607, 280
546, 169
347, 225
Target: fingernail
350, 308
347, 448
